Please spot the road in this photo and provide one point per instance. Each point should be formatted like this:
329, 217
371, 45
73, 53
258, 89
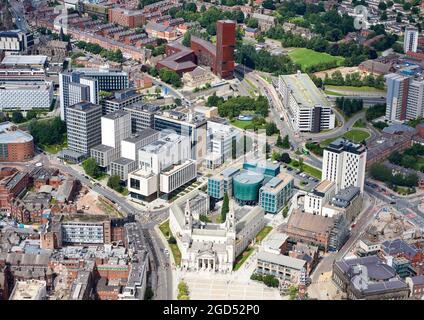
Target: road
278, 112
347, 125
363, 221
407, 206
17, 12
147, 220
368, 101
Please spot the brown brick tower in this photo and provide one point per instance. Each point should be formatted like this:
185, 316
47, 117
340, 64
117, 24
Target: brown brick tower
225, 44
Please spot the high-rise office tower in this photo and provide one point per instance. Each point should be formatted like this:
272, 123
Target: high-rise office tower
91, 82
225, 44
344, 163
405, 97
83, 122
410, 42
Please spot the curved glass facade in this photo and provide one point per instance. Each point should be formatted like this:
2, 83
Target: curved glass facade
246, 187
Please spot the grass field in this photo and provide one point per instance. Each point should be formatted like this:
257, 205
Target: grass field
243, 257
360, 123
307, 57
263, 233
307, 169
164, 228
333, 93
55, 148
353, 135
312, 171
241, 124
350, 88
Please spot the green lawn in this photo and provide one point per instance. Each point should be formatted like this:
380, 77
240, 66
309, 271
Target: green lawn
263, 233
360, 123
243, 257
54, 148
164, 228
353, 135
312, 171
241, 124
351, 88
307, 57
307, 169
267, 79
333, 93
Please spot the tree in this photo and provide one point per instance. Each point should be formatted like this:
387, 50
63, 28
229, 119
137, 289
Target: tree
268, 4
48, 132
382, 6
114, 182
17, 117
271, 281
300, 161
31, 114
91, 168
172, 240
225, 207
271, 128
252, 23
285, 157
408, 161
286, 142
279, 142
275, 156
293, 291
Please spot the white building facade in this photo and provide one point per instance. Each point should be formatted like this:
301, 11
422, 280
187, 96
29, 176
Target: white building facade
344, 163
308, 108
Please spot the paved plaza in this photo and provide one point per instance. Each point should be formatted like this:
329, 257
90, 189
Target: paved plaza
214, 288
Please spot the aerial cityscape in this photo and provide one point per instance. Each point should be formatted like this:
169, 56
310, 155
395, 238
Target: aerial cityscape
212, 150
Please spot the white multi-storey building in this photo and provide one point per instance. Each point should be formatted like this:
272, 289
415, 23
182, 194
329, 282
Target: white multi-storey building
344, 163
131, 145
15, 40
410, 42
115, 127
170, 149
321, 194
26, 96
308, 108
164, 166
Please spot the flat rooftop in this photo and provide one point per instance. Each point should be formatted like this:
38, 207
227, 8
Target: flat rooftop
277, 183
164, 142
28, 290
115, 115
341, 144
323, 186
13, 136
123, 161
304, 90
26, 86
142, 134
24, 60
102, 148
282, 260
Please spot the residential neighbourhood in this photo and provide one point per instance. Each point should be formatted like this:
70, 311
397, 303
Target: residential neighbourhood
212, 150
